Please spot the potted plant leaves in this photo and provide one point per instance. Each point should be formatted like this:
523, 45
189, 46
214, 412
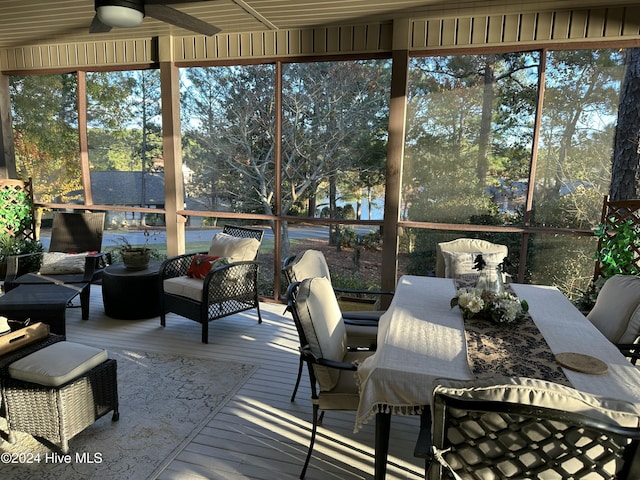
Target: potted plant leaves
135, 257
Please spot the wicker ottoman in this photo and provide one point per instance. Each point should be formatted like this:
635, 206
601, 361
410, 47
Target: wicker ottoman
68, 401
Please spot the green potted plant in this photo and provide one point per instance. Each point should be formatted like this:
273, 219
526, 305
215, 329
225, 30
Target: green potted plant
135, 257
10, 245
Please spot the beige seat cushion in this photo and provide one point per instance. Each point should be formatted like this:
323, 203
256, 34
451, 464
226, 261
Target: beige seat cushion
184, 287
57, 364
236, 248
615, 312
345, 395
192, 287
468, 245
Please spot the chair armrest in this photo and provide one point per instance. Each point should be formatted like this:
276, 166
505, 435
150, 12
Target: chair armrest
177, 266
361, 322
17, 264
94, 263
325, 362
362, 292
242, 275
337, 365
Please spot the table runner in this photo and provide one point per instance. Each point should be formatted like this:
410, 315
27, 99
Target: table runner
509, 349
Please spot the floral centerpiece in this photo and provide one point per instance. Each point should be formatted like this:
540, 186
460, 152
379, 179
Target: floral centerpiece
503, 307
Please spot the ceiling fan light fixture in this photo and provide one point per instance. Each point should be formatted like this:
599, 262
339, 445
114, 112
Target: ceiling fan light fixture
117, 16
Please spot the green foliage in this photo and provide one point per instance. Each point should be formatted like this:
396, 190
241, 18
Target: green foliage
297, 209
347, 212
15, 211
45, 124
347, 237
209, 221
17, 246
575, 210
353, 282
371, 240
565, 261
617, 253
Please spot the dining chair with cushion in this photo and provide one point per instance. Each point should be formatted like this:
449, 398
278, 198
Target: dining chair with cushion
312, 263
616, 313
74, 257
456, 258
526, 428
323, 346
361, 325
210, 285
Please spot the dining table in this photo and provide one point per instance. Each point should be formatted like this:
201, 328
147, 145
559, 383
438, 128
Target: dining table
421, 338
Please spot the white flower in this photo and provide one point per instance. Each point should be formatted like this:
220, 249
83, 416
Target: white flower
475, 305
503, 307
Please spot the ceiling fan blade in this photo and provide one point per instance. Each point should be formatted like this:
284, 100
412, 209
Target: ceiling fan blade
98, 27
179, 19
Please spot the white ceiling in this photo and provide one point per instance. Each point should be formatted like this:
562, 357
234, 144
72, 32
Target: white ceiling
27, 22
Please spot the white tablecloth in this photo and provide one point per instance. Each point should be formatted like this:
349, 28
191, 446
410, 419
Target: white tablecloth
421, 338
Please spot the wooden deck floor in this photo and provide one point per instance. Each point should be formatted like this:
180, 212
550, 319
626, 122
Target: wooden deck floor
258, 433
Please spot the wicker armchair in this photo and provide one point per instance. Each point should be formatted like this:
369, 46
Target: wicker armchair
225, 290
526, 428
70, 233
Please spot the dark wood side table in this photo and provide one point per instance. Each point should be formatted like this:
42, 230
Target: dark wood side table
131, 294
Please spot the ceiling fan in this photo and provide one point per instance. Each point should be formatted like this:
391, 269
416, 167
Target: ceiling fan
129, 14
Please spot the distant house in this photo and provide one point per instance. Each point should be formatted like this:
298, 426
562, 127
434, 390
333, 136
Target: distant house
128, 189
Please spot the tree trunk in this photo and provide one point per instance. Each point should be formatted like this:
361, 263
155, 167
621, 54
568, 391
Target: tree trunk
333, 211
626, 155
312, 204
484, 142
285, 242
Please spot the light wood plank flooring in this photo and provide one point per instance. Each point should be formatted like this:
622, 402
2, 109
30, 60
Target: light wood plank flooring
258, 433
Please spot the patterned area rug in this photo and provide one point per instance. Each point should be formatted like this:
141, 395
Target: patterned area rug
164, 401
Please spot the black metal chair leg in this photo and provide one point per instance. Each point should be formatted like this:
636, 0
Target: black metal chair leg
295, 389
313, 439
